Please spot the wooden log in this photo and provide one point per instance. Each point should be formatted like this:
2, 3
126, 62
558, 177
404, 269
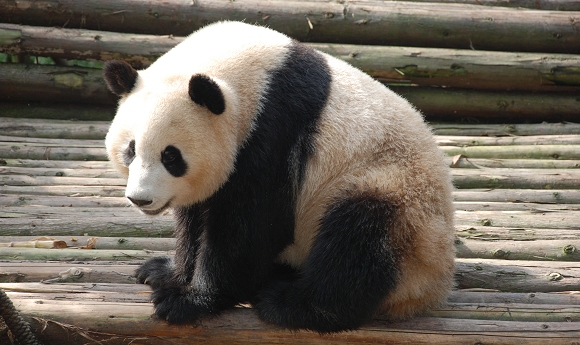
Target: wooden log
519, 195
539, 250
62, 111
462, 105
111, 243
517, 276
62, 172
63, 190
518, 152
511, 206
378, 23
491, 233
22, 180
516, 178
519, 219
555, 5
478, 163
49, 142
43, 128
456, 140
8, 253
23, 200
501, 130
21, 82
81, 272
53, 164
424, 66
80, 225
27, 151
126, 322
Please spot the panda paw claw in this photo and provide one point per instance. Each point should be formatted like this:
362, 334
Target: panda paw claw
178, 305
155, 272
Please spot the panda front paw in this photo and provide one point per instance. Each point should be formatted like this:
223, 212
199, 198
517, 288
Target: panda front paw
180, 305
155, 272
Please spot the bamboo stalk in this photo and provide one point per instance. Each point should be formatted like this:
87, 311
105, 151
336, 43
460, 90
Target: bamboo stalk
540, 250
519, 195
377, 23
516, 178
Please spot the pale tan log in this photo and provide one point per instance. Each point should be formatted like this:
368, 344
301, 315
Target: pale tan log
560, 128
43, 128
27, 151
517, 276
60, 172
88, 271
50, 142
559, 196
64, 190
492, 233
56, 164
518, 152
512, 206
540, 250
521, 219
516, 178
459, 140
97, 242
558, 5
478, 163
22, 200
7, 253
24, 180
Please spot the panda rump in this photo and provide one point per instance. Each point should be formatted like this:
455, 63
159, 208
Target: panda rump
297, 182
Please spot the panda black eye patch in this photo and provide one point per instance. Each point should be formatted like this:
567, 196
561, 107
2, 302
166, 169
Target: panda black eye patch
129, 153
173, 161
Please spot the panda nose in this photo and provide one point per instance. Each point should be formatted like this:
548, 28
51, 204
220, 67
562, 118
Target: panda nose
139, 202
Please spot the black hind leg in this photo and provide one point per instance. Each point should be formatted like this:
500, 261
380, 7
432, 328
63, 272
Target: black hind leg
349, 271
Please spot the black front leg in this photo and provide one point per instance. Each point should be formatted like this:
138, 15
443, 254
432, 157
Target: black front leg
163, 271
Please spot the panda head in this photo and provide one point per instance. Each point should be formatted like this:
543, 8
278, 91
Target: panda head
173, 136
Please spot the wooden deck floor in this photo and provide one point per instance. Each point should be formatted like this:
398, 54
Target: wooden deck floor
518, 243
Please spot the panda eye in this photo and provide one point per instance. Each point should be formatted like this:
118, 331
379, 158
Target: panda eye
173, 161
129, 153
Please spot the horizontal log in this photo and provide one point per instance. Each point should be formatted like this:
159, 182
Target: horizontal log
97, 243
43, 128
11, 253
517, 276
63, 190
540, 250
457, 140
517, 151
462, 105
478, 163
492, 233
57, 111
23, 180
557, 5
81, 272
502, 130
512, 206
519, 219
424, 66
516, 178
22, 82
378, 23
23, 200
62, 172
49, 142
55, 164
125, 322
518, 195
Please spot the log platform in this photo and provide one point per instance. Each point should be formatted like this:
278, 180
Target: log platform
69, 243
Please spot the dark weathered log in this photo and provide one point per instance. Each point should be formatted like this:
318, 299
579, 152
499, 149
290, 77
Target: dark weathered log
441, 104
491, 233
513, 206
383, 23
457, 140
21, 82
558, 5
420, 66
479, 163
81, 272
59, 111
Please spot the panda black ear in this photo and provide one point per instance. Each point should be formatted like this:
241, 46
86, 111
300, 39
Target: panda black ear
206, 92
120, 77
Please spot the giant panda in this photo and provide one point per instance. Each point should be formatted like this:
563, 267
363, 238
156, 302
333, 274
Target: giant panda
298, 183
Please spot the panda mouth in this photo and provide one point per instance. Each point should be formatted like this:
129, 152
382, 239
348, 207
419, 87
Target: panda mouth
157, 211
